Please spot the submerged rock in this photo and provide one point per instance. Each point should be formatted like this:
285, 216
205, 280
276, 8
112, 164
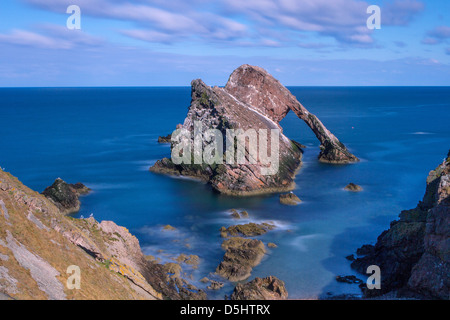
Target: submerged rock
236, 215
244, 214
289, 199
252, 99
215, 285
192, 260
240, 257
66, 196
270, 288
169, 228
413, 254
348, 279
353, 187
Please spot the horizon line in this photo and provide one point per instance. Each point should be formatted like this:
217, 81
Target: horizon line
188, 86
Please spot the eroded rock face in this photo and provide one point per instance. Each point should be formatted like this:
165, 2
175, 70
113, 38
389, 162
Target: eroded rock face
252, 99
257, 88
270, 288
413, 254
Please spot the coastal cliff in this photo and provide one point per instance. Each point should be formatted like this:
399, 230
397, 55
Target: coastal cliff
38, 244
414, 253
251, 100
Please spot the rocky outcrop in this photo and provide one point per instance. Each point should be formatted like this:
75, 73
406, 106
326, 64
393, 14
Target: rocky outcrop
270, 288
240, 257
38, 244
165, 139
252, 99
236, 215
247, 230
66, 196
413, 254
353, 187
289, 199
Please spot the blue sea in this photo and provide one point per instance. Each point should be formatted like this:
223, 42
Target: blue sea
107, 139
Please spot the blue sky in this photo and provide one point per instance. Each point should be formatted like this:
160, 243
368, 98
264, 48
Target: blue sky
165, 43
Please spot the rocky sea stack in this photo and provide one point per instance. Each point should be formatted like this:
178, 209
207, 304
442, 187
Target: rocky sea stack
252, 99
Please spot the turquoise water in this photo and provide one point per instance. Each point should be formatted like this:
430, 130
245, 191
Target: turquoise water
107, 139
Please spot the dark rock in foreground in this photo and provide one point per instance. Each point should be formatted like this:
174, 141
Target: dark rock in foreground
414, 254
65, 195
365, 250
252, 99
240, 257
270, 288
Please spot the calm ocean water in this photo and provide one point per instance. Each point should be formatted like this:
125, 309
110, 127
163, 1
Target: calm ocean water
107, 139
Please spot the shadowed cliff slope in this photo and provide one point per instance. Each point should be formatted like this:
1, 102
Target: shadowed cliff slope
414, 253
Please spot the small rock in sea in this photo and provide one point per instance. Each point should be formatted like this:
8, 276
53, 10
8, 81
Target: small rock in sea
272, 245
166, 139
348, 279
215, 285
235, 214
244, 214
169, 228
350, 257
192, 259
204, 280
289, 199
353, 187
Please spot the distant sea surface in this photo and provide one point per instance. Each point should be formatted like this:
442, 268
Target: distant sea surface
107, 139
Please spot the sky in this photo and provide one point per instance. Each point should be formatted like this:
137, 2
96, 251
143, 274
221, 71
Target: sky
172, 42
